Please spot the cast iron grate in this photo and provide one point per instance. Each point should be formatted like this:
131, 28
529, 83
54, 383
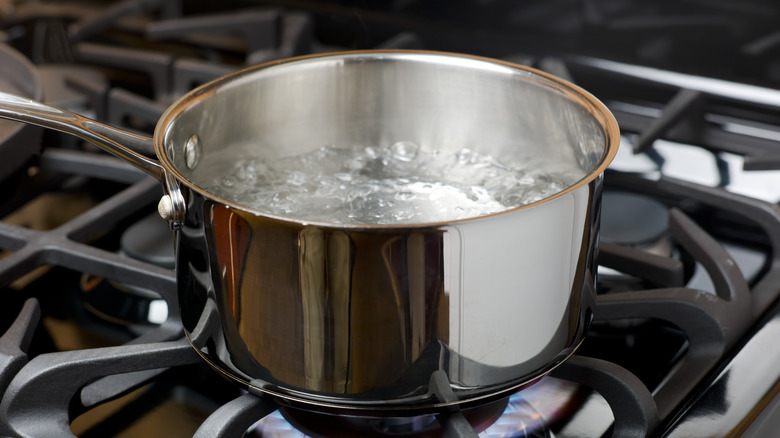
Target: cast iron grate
712, 323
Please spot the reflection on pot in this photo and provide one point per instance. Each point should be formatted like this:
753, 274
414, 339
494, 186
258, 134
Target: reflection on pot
353, 317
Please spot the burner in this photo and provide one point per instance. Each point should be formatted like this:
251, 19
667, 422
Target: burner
148, 240
319, 425
637, 222
632, 219
530, 413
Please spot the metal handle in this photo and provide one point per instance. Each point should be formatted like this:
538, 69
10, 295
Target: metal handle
130, 147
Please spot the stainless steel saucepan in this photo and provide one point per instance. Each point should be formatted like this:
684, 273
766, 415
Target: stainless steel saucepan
363, 318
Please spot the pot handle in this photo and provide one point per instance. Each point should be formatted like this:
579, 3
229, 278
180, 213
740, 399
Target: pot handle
132, 148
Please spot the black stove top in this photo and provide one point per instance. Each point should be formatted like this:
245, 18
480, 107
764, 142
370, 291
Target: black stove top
683, 342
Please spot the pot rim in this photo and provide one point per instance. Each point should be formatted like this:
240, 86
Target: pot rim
594, 106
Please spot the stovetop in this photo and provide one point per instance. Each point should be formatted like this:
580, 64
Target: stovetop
683, 342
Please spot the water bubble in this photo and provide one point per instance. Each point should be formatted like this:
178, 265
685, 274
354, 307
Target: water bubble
279, 197
477, 193
354, 164
404, 196
511, 200
360, 192
324, 151
526, 180
402, 215
247, 172
499, 165
405, 151
371, 152
377, 185
463, 156
296, 178
532, 197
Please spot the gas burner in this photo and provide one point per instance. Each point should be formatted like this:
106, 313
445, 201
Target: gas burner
527, 414
635, 220
317, 425
150, 241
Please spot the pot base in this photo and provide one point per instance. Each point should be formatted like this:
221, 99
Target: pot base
319, 425
438, 398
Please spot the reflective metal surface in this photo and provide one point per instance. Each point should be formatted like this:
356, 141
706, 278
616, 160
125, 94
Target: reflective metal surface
122, 144
359, 318
128, 146
363, 318
732, 404
390, 317
716, 87
523, 118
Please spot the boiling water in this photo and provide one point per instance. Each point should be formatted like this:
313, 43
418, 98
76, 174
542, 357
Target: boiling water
398, 184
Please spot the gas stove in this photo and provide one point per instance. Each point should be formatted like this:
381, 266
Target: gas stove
683, 342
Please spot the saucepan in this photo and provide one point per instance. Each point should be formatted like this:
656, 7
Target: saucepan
362, 317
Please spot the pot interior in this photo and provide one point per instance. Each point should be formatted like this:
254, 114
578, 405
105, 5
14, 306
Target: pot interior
437, 102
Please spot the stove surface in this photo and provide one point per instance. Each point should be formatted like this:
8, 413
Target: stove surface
683, 342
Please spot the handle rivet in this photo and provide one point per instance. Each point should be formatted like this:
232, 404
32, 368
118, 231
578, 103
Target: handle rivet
165, 208
192, 151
